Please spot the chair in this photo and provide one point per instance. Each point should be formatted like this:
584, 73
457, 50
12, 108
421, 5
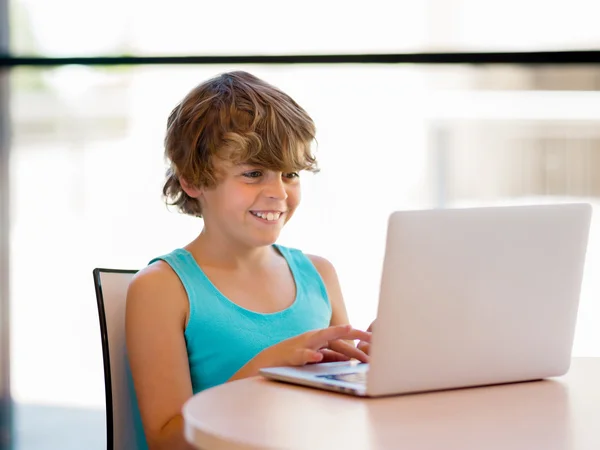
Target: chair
123, 425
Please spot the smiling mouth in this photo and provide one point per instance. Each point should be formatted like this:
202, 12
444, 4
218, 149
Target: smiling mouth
271, 216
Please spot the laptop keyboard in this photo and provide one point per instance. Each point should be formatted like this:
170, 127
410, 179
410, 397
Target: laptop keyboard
352, 377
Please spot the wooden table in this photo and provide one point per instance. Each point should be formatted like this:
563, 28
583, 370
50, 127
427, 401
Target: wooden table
561, 413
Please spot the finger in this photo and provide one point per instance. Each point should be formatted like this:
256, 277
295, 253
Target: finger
349, 350
333, 356
319, 338
304, 356
365, 347
355, 334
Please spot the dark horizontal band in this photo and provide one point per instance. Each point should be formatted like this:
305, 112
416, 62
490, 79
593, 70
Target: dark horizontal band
576, 57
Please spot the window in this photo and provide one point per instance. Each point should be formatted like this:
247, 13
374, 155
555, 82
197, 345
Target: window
86, 159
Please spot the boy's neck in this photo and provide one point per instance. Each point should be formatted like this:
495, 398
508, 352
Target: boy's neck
219, 252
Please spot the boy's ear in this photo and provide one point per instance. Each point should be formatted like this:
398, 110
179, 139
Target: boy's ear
189, 189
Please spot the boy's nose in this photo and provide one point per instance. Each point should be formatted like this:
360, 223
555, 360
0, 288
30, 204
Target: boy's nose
276, 189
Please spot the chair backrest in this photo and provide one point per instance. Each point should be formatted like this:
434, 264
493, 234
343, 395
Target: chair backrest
122, 416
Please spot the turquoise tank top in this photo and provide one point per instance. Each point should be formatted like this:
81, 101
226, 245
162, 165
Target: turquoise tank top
222, 336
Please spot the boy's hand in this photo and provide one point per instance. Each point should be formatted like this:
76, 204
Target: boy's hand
325, 345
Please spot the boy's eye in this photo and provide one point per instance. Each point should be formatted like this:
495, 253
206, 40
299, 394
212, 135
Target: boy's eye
253, 174
291, 175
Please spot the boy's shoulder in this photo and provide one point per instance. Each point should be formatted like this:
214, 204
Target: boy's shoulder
149, 289
323, 266
156, 275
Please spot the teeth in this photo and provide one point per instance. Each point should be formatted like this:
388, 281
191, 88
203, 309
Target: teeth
268, 216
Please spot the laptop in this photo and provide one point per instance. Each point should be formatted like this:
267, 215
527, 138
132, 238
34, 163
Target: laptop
468, 297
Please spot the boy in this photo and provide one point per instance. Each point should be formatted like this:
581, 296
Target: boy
232, 301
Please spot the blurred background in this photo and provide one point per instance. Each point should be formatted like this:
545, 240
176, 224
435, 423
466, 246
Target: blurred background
86, 165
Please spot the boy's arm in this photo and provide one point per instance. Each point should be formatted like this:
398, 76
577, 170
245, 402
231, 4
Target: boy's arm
156, 316
339, 314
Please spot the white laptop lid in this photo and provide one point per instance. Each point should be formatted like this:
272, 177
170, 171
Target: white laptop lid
478, 296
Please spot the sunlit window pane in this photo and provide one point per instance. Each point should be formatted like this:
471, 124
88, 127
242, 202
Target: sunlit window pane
75, 27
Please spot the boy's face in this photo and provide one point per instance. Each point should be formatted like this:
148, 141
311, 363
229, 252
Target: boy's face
250, 204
